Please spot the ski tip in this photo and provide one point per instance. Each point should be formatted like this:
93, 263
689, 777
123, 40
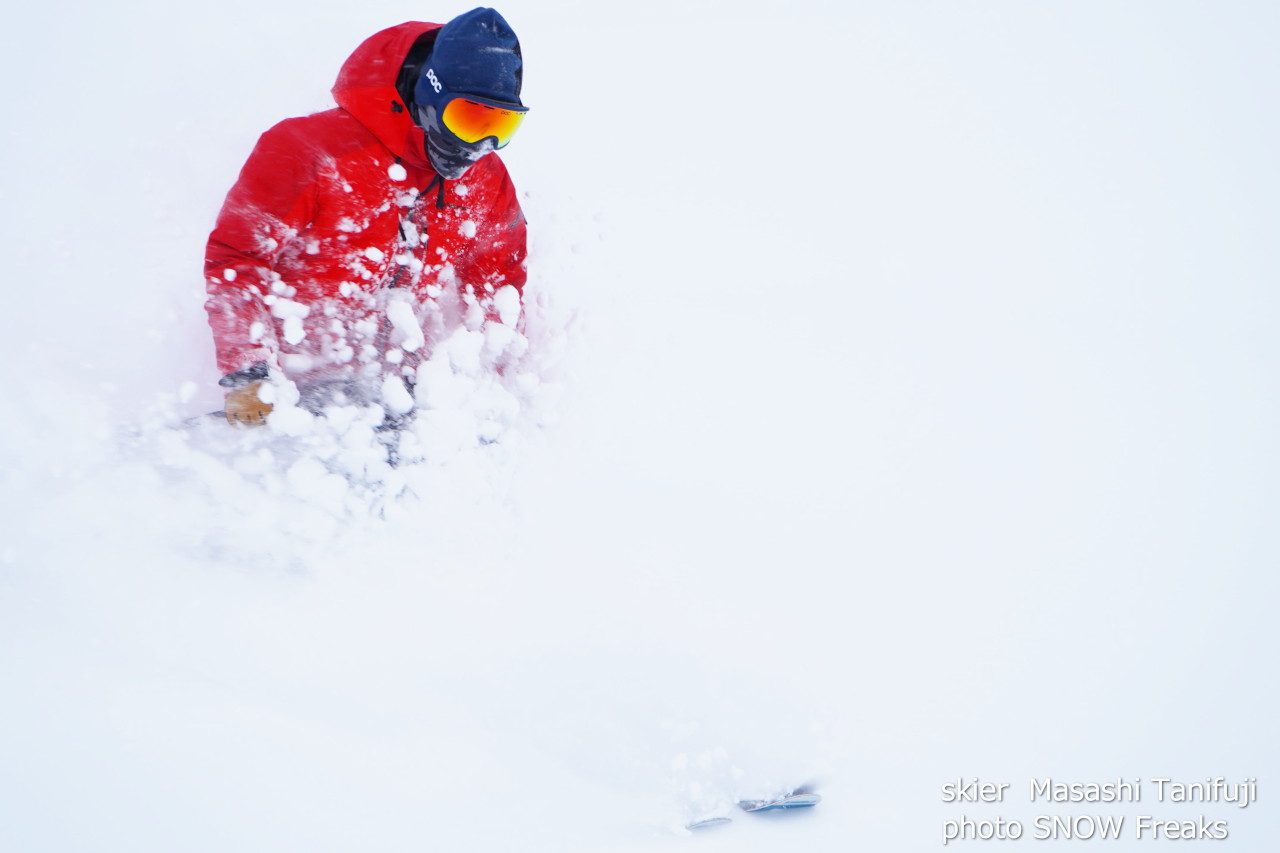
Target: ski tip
709, 821
792, 801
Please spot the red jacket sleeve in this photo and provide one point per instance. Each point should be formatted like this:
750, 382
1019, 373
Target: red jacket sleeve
273, 199
499, 248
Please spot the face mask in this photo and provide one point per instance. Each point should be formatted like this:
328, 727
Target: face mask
451, 157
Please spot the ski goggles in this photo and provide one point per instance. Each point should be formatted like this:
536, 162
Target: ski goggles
472, 119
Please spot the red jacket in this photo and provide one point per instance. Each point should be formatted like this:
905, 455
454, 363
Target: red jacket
337, 216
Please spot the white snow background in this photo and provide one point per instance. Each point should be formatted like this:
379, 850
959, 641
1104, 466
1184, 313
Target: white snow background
905, 409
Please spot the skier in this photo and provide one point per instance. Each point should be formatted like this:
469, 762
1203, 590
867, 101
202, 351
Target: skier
356, 238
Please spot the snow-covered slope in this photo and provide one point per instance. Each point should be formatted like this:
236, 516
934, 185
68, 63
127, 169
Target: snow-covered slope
904, 410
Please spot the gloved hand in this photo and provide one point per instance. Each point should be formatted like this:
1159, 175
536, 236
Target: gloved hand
244, 406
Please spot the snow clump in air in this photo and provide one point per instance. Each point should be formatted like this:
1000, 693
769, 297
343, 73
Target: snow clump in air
351, 457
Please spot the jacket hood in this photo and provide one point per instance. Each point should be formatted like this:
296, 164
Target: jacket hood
366, 88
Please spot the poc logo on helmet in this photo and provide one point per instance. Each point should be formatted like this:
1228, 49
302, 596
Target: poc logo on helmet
435, 82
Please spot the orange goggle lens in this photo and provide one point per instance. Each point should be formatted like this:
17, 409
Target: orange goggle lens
472, 121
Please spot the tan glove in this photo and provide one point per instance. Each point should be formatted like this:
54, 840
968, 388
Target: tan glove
244, 406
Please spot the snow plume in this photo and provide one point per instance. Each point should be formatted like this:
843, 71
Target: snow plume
318, 463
